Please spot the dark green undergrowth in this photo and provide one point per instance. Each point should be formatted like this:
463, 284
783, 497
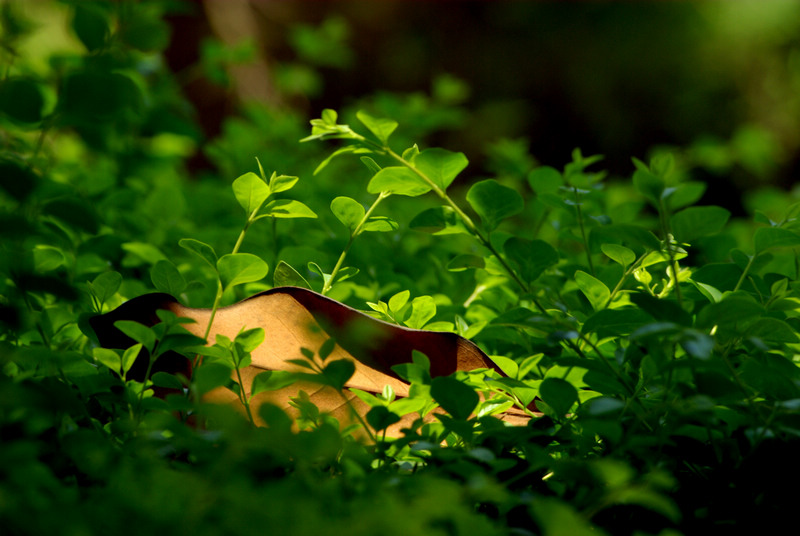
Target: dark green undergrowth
657, 337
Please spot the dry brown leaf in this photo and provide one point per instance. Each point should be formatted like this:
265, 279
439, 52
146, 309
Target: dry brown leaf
295, 318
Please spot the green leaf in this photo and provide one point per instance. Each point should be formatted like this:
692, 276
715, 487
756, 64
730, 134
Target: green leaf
685, 194
166, 278
239, 268
380, 418
380, 224
399, 181
370, 164
47, 258
286, 208
506, 364
338, 372
138, 332
494, 202
314, 267
634, 237
329, 116
348, 211
440, 166
771, 330
619, 254
423, 309
210, 376
105, 285
250, 339
733, 309
615, 322
545, 180
166, 380
345, 273
649, 186
344, 150
595, 290
201, 249
399, 300
250, 191
459, 263
22, 100
109, 358
286, 276
129, 358
271, 380
438, 220
455, 397
532, 257
775, 237
281, 183
382, 128
91, 26
146, 252
558, 394
694, 222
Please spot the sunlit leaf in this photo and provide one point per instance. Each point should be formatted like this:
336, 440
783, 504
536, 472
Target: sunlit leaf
239, 268
440, 166
399, 181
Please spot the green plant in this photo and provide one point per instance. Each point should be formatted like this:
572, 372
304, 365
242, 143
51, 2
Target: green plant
652, 341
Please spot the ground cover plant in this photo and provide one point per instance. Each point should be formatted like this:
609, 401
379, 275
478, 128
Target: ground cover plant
652, 340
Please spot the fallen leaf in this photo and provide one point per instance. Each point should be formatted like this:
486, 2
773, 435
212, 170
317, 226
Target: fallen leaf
295, 318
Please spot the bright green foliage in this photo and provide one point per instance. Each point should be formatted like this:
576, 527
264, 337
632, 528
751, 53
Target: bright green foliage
652, 341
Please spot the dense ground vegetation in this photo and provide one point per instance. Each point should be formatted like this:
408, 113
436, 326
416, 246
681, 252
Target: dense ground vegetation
657, 337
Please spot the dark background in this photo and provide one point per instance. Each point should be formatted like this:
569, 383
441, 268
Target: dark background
716, 80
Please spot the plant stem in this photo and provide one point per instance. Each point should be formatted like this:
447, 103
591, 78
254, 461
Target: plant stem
357, 231
583, 230
468, 223
665, 231
745, 272
243, 397
624, 278
218, 298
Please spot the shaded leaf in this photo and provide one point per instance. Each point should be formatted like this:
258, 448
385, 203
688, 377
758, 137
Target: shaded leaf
105, 285
438, 220
348, 211
138, 332
286, 276
455, 397
559, 394
166, 277
694, 222
201, 249
532, 257
775, 237
545, 180
380, 418
494, 202
595, 290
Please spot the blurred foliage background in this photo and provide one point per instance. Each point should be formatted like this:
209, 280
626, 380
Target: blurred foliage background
717, 79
